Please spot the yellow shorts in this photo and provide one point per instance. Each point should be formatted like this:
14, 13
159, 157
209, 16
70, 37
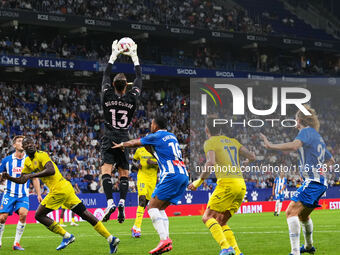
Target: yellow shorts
228, 196
63, 196
145, 188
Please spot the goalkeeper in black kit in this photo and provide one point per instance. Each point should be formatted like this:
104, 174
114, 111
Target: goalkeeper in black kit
119, 106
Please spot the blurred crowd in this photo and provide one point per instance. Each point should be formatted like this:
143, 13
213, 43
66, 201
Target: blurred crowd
189, 13
23, 42
66, 122
211, 14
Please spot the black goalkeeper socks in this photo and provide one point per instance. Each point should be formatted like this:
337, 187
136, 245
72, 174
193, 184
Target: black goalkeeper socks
123, 187
107, 185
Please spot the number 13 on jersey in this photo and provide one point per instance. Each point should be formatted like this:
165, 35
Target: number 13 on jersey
119, 122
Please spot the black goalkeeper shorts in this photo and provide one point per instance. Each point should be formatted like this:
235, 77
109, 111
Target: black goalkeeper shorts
111, 156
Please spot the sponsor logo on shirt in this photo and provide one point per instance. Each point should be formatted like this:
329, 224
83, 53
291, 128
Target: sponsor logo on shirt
17, 170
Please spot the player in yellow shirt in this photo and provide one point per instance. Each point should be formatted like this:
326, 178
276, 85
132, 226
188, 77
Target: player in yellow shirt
38, 164
146, 183
222, 155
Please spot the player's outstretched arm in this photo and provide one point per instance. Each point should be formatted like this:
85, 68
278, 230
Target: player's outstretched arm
20, 180
48, 171
36, 185
137, 83
132, 52
129, 144
291, 146
244, 152
211, 161
106, 82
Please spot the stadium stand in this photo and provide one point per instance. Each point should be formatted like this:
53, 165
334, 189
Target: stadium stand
281, 20
189, 13
52, 57
24, 42
78, 121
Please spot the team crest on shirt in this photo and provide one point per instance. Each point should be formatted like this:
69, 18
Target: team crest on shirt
17, 170
35, 163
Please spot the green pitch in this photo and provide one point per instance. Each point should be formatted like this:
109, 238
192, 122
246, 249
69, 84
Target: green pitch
257, 234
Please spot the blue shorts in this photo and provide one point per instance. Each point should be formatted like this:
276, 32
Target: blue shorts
309, 194
280, 197
12, 204
171, 188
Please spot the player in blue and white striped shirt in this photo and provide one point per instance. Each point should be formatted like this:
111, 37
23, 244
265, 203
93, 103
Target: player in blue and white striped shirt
313, 163
279, 186
173, 177
15, 197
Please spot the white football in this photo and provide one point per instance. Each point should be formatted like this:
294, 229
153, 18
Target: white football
124, 42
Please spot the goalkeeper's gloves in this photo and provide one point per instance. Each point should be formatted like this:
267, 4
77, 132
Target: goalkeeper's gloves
132, 52
115, 52
198, 183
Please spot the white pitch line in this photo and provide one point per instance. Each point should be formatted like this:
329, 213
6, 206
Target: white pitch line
286, 232
323, 226
179, 233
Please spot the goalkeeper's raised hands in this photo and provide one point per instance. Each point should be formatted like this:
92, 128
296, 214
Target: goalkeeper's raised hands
115, 52
132, 52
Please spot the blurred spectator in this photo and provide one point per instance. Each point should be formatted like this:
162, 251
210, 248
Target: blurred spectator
205, 186
188, 13
43, 189
88, 177
93, 186
132, 185
263, 62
